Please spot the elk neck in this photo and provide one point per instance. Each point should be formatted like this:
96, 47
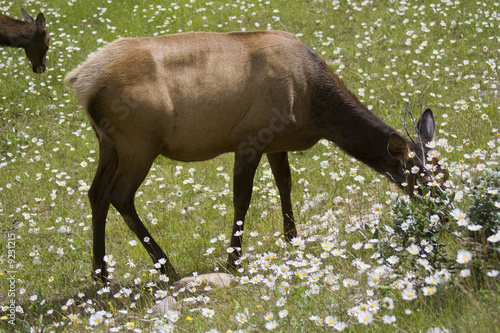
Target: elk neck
345, 121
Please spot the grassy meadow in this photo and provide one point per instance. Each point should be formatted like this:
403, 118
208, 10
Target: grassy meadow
363, 261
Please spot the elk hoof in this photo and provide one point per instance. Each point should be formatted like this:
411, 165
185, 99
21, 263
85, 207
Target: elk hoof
233, 260
169, 271
99, 274
290, 234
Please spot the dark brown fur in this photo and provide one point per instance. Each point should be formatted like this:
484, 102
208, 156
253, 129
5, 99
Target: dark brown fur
30, 34
193, 96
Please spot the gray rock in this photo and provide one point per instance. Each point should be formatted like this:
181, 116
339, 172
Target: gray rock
168, 303
215, 280
220, 280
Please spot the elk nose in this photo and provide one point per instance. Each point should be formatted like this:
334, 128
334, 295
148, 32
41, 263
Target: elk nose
39, 69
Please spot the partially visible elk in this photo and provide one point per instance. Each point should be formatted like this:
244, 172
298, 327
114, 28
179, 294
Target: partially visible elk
193, 96
30, 34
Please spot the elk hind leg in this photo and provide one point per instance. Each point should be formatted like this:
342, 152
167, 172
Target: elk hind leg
129, 176
107, 165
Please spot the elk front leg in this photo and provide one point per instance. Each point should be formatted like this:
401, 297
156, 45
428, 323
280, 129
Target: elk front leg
244, 172
283, 177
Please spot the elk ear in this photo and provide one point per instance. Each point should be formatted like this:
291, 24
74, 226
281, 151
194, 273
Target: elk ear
426, 127
27, 17
40, 22
397, 147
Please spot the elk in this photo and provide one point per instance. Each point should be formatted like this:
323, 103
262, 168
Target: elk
193, 96
31, 35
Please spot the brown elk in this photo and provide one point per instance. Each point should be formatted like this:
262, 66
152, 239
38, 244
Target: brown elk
193, 96
30, 34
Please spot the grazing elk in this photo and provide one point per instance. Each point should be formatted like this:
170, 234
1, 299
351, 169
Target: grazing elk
30, 34
194, 96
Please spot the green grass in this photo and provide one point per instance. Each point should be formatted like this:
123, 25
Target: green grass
442, 54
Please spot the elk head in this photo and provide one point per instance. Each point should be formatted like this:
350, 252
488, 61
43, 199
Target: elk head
415, 163
36, 49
